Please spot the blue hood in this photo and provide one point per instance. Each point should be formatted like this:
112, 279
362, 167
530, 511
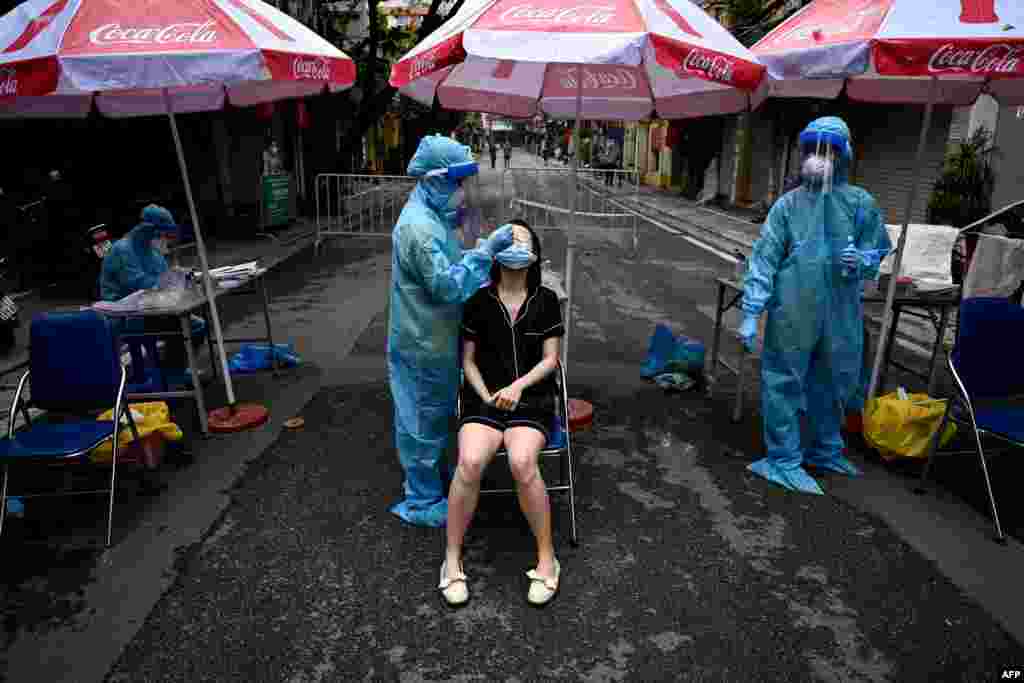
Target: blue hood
434, 153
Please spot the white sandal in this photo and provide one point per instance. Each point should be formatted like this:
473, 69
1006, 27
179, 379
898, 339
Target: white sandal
454, 590
542, 588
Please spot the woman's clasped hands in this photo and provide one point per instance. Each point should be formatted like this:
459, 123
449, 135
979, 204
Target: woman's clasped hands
507, 398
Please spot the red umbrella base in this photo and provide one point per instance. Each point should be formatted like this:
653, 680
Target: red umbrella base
581, 414
238, 418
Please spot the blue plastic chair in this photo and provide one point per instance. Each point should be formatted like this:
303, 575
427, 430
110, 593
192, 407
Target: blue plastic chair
75, 372
989, 375
559, 446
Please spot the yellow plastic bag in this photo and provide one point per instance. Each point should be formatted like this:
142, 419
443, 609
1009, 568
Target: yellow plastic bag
149, 419
899, 427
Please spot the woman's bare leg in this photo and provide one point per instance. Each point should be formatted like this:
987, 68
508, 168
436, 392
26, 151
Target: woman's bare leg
477, 445
524, 445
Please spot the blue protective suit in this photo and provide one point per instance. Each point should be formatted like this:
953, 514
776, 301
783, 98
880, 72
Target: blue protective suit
813, 346
133, 263
431, 278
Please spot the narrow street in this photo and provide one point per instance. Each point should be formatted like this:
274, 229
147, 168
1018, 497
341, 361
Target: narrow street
689, 568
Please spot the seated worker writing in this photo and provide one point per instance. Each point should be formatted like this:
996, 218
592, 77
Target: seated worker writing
136, 261
511, 335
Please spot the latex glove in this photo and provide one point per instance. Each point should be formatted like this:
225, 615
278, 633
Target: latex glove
507, 398
500, 240
748, 332
851, 257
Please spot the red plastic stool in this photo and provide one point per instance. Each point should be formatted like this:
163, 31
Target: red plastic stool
581, 414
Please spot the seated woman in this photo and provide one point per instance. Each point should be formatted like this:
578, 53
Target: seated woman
511, 335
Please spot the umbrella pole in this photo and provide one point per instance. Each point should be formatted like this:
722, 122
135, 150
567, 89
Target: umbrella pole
570, 251
207, 280
911, 198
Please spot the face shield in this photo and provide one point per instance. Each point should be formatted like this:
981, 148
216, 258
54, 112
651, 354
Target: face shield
463, 209
824, 152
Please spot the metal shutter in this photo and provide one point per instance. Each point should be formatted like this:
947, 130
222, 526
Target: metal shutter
886, 169
1009, 162
727, 161
960, 125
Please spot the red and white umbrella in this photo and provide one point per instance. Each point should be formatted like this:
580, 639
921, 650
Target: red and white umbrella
57, 56
519, 57
892, 50
899, 52
608, 59
144, 57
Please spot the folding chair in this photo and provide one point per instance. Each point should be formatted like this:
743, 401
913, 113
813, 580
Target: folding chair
75, 373
989, 375
558, 446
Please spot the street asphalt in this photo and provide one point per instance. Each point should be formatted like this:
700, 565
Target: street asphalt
689, 568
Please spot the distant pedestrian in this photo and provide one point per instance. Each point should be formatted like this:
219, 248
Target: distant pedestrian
494, 154
508, 154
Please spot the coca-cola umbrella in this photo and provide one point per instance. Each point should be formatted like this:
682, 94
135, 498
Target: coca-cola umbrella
899, 52
59, 58
518, 58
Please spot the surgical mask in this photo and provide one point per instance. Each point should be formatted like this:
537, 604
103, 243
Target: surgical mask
516, 257
457, 200
454, 212
817, 167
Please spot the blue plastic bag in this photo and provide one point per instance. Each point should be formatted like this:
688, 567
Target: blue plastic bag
671, 354
255, 357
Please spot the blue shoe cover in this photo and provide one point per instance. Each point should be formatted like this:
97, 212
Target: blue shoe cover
15, 506
418, 513
836, 462
795, 479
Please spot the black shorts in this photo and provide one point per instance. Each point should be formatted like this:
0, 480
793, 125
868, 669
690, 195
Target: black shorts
522, 416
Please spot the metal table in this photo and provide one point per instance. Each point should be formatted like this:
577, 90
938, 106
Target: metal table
933, 307
195, 301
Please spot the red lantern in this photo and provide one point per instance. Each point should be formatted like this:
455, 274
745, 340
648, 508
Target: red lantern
301, 115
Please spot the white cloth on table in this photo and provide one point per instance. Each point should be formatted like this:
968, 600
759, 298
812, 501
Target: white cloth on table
996, 267
927, 256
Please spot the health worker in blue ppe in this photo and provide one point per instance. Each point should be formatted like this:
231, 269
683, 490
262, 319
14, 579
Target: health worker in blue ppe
818, 245
137, 261
431, 278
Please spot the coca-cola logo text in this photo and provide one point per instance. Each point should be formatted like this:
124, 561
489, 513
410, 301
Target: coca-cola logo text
584, 15
8, 83
611, 79
183, 34
311, 69
711, 66
423, 63
994, 59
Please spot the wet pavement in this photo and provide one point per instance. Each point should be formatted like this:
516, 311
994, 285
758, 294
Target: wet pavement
689, 569
276, 559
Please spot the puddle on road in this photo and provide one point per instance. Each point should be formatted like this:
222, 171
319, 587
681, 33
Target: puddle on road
761, 540
855, 659
645, 498
670, 641
752, 537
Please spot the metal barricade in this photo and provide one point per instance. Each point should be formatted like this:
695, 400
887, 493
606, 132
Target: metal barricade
359, 205
540, 196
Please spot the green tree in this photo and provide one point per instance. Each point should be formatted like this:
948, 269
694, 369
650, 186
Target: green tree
751, 20
963, 193
374, 50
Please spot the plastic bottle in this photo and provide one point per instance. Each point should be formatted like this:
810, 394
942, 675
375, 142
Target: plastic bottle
741, 266
847, 270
